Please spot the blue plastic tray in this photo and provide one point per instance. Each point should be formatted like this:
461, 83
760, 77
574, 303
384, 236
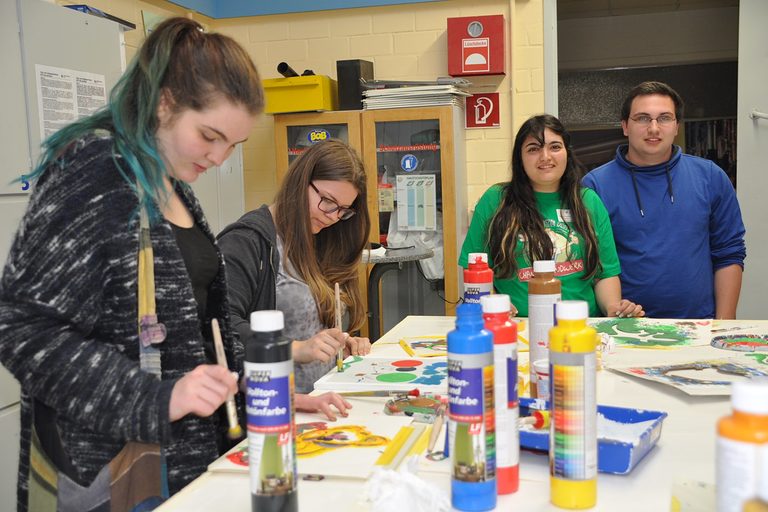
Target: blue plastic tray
612, 456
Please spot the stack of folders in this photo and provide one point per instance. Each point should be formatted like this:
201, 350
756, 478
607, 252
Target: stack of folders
413, 96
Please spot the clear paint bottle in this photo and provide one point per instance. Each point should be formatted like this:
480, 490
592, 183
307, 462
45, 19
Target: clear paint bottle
496, 316
742, 446
470, 412
573, 404
543, 293
269, 408
478, 277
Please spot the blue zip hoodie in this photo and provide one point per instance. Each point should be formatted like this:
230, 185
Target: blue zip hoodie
674, 224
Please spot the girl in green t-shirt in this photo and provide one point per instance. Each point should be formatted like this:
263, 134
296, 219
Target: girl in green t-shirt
543, 213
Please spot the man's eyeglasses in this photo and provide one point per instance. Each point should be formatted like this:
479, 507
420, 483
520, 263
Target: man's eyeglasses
662, 120
328, 205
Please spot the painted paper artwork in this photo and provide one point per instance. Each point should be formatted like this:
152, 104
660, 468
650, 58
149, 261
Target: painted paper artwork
348, 447
374, 373
706, 377
741, 342
425, 346
654, 333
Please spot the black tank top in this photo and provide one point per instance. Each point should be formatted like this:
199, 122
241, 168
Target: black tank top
201, 260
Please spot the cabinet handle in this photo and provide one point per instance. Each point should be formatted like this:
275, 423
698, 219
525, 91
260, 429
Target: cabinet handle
758, 115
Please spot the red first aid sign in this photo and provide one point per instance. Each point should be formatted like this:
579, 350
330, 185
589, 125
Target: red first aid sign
475, 55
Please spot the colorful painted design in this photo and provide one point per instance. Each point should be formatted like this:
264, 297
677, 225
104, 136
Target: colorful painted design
425, 346
313, 439
672, 374
649, 333
741, 342
371, 373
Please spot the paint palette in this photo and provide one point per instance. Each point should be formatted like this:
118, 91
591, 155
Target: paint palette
380, 373
624, 437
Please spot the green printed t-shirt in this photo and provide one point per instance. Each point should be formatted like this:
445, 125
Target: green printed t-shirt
569, 264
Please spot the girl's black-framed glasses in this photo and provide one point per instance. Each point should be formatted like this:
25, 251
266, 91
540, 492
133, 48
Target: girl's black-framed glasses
328, 205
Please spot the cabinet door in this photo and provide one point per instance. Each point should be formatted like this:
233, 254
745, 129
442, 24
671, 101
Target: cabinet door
294, 133
414, 153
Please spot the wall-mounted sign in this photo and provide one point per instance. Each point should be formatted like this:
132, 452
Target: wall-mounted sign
476, 45
483, 110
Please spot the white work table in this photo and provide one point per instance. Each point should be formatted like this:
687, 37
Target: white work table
684, 453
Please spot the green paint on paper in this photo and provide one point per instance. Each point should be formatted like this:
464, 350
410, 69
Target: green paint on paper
396, 377
641, 333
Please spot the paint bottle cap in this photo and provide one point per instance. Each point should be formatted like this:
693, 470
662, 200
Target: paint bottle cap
267, 321
469, 315
474, 256
543, 266
571, 310
750, 396
495, 303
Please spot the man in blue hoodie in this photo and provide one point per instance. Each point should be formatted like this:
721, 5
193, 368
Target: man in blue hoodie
675, 217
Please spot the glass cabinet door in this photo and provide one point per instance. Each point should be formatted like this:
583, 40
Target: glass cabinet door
294, 133
301, 137
415, 154
408, 175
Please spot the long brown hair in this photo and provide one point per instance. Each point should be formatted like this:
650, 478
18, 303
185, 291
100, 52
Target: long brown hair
518, 214
332, 255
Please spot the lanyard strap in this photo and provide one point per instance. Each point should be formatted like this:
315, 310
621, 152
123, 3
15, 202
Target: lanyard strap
151, 332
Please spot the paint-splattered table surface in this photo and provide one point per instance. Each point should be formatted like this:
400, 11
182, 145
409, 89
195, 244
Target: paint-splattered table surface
683, 457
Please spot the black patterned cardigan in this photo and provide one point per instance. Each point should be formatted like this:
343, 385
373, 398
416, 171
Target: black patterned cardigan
68, 321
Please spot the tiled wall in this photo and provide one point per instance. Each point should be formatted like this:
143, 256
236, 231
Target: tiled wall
404, 42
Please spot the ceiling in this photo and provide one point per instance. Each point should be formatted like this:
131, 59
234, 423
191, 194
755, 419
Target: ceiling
567, 9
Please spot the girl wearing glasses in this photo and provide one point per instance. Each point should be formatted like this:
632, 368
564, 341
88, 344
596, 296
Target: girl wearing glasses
543, 213
289, 255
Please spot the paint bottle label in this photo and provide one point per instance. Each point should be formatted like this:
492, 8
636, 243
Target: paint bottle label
573, 443
271, 452
507, 412
478, 278
472, 432
541, 318
738, 465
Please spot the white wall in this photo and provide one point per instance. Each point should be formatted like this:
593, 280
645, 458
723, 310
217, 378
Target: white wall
676, 37
752, 154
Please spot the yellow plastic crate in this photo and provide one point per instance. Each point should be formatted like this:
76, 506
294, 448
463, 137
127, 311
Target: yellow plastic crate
300, 94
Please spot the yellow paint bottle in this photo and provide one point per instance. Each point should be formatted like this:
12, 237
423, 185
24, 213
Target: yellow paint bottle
573, 405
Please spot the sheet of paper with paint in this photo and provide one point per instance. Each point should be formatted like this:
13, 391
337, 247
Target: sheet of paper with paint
699, 377
348, 447
374, 373
654, 333
425, 346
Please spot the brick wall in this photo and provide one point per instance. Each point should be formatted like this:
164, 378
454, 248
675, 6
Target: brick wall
403, 41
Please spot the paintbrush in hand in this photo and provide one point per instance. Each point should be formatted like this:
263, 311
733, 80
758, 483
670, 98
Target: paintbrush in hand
234, 432
340, 355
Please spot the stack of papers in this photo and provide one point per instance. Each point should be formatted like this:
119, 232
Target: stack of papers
414, 96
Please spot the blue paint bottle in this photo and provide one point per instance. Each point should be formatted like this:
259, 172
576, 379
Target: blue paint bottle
269, 407
471, 424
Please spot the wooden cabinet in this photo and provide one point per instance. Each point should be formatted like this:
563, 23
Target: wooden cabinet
420, 152
417, 154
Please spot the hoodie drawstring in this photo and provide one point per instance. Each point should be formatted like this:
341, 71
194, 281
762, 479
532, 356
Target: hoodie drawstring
637, 192
669, 185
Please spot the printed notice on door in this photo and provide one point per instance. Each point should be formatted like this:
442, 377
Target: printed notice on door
65, 95
416, 204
